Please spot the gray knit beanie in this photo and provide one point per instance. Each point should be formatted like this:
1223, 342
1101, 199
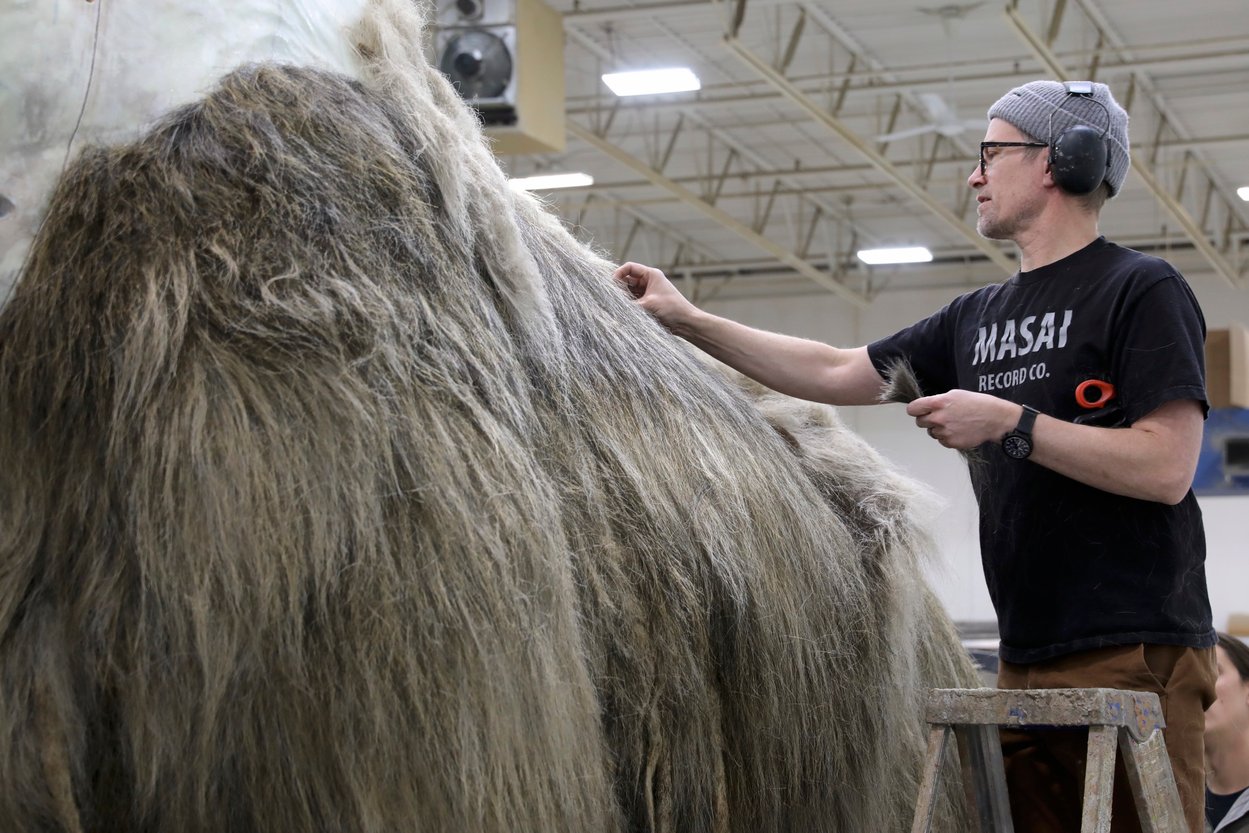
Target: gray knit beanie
1031, 106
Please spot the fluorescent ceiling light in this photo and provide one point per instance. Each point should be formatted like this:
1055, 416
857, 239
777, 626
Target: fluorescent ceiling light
1243, 193
906, 254
549, 182
652, 81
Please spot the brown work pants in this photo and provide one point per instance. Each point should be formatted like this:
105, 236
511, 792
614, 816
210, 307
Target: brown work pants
1045, 767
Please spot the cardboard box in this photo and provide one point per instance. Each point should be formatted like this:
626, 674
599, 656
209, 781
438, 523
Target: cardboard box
1227, 367
1238, 624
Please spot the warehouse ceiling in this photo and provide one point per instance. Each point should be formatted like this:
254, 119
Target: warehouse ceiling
773, 175
768, 179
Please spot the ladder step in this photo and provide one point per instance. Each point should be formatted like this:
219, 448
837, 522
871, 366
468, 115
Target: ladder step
1138, 711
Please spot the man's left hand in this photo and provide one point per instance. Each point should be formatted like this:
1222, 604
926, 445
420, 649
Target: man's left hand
963, 419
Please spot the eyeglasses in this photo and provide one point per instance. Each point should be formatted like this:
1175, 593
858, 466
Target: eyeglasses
984, 145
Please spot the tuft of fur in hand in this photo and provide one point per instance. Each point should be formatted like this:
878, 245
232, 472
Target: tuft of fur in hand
343, 490
901, 385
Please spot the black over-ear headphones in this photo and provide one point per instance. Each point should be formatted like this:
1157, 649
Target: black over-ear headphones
1080, 156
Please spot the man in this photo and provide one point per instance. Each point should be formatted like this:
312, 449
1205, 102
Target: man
1227, 740
1083, 377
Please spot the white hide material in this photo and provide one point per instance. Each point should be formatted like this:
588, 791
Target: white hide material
149, 56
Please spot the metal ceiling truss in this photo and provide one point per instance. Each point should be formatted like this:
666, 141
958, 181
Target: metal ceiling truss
858, 81
814, 212
870, 150
785, 184
647, 239
721, 157
1185, 187
954, 270
743, 230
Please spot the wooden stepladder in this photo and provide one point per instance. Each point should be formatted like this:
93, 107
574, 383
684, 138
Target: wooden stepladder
1128, 720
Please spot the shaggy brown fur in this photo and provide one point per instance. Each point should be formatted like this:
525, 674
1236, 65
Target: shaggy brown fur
342, 490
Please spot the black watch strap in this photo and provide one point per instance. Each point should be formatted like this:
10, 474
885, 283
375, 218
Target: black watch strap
1018, 442
1027, 419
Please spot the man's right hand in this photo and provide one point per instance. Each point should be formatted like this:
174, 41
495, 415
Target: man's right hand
794, 366
655, 294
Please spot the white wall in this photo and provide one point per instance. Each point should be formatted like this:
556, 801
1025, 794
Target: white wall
956, 572
84, 71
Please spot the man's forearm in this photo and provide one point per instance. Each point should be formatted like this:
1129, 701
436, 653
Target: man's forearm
1153, 460
794, 366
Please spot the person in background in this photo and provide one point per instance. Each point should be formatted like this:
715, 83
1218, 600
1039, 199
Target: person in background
1082, 381
1227, 740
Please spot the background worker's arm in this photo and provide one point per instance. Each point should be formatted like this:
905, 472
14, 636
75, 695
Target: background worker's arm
795, 366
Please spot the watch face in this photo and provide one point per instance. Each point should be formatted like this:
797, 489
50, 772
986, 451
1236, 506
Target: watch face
1016, 446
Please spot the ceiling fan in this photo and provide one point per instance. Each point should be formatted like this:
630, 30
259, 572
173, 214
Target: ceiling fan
950, 12
942, 120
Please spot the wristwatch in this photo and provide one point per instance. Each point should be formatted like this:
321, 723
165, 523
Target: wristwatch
1018, 443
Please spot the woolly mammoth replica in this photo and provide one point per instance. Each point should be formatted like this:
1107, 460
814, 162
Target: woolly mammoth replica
342, 490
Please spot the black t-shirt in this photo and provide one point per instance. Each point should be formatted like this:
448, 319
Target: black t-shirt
1070, 567
1218, 805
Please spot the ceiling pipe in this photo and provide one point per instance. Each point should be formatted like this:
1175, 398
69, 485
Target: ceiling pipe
741, 149
720, 216
869, 152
